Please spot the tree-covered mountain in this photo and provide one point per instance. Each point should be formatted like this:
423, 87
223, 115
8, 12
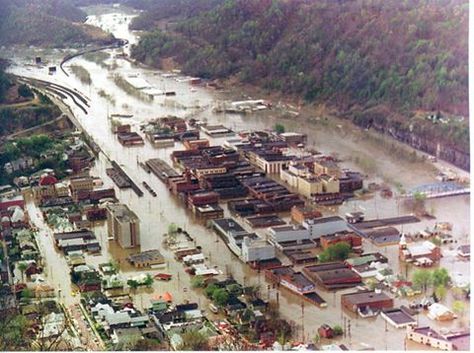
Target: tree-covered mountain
55, 23
4, 81
360, 53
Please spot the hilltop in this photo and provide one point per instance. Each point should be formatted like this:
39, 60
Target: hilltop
379, 63
50, 23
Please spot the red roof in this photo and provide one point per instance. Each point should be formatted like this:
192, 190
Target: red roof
47, 180
163, 276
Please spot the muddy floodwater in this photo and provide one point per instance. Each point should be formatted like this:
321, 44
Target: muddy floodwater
155, 214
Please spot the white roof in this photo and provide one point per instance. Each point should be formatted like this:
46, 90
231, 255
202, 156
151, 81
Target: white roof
421, 249
436, 310
194, 257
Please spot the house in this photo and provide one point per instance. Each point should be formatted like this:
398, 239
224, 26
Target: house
440, 312
452, 341
372, 300
86, 278
413, 252
464, 251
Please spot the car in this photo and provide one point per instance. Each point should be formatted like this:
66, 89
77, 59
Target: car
213, 308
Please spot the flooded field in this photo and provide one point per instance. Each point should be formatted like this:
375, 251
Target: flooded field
155, 214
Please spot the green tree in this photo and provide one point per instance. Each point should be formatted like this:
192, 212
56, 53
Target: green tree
172, 228
148, 281
22, 266
197, 282
335, 252
422, 279
133, 284
337, 330
441, 277
440, 292
210, 289
25, 91
220, 297
279, 128
193, 340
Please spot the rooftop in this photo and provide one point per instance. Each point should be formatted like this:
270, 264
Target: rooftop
361, 298
122, 213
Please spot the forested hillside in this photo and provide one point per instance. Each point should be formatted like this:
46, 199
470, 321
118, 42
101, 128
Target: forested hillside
54, 23
405, 54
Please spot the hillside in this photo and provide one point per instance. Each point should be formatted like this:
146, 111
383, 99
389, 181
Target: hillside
371, 60
52, 23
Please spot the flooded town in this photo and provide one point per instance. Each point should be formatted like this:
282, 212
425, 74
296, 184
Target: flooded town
181, 215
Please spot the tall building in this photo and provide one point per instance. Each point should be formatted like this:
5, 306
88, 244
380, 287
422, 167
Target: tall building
123, 225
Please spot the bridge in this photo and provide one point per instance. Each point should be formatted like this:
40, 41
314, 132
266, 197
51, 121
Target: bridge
435, 190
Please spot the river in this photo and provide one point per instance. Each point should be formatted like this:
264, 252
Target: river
156, 213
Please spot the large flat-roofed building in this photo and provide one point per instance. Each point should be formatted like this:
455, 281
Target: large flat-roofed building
123, 225
453, 341
334, 275
147, 258
287, 233
287, 277
366, 300
257, 250
311, 229
325, 226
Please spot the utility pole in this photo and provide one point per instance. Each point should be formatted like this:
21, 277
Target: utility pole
302, 319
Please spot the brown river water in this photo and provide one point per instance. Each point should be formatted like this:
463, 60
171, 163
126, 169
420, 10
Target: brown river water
157, 213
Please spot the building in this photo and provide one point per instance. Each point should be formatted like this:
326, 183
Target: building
418, 252
326, 166
301, 213
311, 229
80, 184
452, 341
195, 144
130, 139
147, 258
123, 225
368, 300
464, 251
233, 235
334, 275
207, 212
287, 277
354, 240
325, 226
293, 138
350, 182
399, 317
270, 162
257, 250
440, 312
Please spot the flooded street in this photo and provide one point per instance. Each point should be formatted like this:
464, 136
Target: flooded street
157, 213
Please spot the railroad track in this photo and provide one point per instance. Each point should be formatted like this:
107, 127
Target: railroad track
118, 44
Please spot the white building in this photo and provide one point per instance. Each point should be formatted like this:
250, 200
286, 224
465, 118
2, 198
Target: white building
257, 250
311, 229
123, 225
